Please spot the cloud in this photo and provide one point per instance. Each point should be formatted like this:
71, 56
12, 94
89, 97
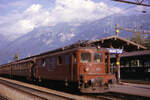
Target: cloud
71, 11
21, 23
81, 10
35, 8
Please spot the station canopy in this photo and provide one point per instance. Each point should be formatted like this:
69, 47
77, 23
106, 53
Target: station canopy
119, 43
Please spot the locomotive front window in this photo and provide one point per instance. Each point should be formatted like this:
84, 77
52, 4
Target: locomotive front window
97, 57
85, 57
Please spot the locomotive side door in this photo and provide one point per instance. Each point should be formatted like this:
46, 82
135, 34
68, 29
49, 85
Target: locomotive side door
74, 67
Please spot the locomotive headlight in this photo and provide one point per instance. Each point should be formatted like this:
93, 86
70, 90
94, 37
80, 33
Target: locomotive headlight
86, 69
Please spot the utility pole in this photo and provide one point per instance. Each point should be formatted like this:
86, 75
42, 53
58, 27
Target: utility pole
117, 57
118, 67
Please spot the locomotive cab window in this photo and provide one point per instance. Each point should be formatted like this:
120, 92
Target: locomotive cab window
97, 57
74, 58
85, 57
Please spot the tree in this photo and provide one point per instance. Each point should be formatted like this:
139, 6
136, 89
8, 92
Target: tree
138, 38
147, 43
141, 39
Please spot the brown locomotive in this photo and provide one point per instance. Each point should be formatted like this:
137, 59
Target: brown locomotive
83, 68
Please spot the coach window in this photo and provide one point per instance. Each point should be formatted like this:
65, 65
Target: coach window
97, 57
47, 62
60, 60
28, 64
53, 62
39, 63
43, 63
67, 59
85, 57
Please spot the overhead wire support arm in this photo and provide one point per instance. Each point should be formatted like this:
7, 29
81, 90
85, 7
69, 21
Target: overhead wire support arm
131, 2
117, 27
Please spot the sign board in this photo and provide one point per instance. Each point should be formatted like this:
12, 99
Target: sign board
115, 51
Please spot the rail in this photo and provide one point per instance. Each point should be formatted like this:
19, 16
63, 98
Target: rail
15, 90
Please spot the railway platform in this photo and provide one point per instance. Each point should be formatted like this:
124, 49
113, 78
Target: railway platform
140, 90
144, 82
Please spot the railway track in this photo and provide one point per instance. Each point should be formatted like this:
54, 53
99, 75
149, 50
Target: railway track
15, 90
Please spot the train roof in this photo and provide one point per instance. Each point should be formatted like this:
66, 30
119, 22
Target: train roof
75, 46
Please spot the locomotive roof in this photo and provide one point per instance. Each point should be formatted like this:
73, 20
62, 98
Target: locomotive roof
78, 45
69, 49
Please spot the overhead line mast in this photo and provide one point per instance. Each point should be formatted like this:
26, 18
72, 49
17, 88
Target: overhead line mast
117, 28
138, 2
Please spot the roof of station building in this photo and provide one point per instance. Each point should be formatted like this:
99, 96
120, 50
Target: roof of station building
118, 42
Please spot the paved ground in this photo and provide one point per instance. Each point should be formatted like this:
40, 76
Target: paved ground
136, 81
134, 89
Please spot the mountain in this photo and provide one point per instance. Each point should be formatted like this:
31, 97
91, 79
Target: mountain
3, 41
51, 37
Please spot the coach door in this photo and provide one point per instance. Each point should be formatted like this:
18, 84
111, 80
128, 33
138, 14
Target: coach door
74, 67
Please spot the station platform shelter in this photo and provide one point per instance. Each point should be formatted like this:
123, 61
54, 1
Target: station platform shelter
133, 54
136, 59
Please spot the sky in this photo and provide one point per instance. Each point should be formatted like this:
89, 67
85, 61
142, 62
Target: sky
18, 17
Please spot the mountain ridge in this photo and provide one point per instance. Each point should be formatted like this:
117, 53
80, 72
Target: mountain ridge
47, 38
